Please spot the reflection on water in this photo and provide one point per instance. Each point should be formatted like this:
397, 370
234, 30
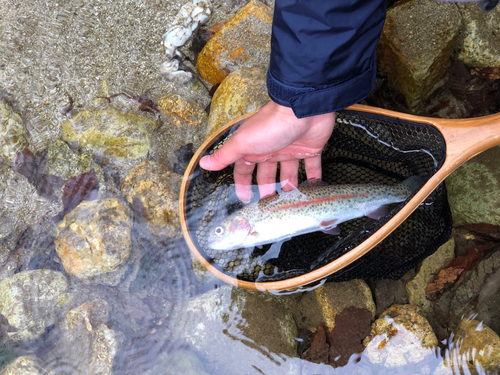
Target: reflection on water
94, 275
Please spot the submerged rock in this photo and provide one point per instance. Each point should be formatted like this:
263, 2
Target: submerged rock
477, 347
242, 42
183, 121
416, 44
255, 328
12, 134
25, 365
110, 134
479, 44
182, 362
94, 238
241, 92
63, 162
427, 270
153, 192
30, 300
400, 337
474, 190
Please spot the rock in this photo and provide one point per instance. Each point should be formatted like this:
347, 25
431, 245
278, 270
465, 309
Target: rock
62, 162
87, 345
335, 297
30, 302
400, 337
479, 292
427, 270
21, 206
183, 121
94, 238
479, 44
110, 134
241, 92
242, 42
478, 347
390, 292
474, 190
252, 327
181, 362
12, 134
25, 365
416, 44
153, 192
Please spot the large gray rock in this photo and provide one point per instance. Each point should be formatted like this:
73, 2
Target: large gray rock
416, 44
238, 330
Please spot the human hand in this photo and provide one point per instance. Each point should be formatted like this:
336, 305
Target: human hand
270, 136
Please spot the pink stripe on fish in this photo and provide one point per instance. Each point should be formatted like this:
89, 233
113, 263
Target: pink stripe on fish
316, 201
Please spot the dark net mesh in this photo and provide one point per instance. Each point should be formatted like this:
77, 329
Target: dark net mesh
364, 148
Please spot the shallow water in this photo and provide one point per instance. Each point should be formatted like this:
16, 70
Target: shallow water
157, 313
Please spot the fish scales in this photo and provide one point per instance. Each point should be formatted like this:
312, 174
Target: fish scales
303, 210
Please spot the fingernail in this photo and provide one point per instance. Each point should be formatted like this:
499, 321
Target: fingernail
244, 193
205, 161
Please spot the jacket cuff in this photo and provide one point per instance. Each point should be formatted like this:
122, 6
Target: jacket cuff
310, 101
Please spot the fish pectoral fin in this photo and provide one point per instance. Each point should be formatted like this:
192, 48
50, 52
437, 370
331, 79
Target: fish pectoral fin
330, 227
378, 213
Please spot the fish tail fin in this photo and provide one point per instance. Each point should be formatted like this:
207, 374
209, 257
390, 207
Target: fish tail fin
414, 183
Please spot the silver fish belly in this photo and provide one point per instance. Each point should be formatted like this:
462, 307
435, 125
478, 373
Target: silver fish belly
304, 210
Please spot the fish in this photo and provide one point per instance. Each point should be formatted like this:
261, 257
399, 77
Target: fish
313, 206
485, 5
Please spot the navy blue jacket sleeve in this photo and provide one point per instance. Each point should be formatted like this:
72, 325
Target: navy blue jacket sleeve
323, 53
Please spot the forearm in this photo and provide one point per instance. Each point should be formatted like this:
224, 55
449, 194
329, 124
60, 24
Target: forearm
323, 53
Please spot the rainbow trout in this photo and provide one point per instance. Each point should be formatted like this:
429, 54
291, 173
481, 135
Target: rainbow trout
309, 208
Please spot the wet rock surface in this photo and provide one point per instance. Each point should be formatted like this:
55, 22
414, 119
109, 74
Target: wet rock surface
233, 48
12, 133
241, 92
30, 301
400, 337
153, 192
94, 238
25, 365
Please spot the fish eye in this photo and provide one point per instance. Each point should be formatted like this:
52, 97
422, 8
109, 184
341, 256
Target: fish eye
219, 231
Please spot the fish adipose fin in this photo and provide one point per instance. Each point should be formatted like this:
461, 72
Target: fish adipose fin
330, 227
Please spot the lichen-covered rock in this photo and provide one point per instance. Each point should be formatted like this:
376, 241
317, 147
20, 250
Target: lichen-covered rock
109, 133
241, 92
153, 192
63, 162
183, 121
25, 365
254, 327
416, 287
12, 134
400, 337
30, 300
242, 42
478, 348
94, 238
479, 44
416, 44
474, 190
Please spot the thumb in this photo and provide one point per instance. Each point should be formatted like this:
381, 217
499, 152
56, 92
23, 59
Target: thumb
220, 159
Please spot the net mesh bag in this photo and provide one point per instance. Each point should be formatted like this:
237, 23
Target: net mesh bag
364, 148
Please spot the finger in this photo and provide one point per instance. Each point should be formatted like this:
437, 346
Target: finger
313, 167
289, 174
266, 178
243, 179
220, 159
